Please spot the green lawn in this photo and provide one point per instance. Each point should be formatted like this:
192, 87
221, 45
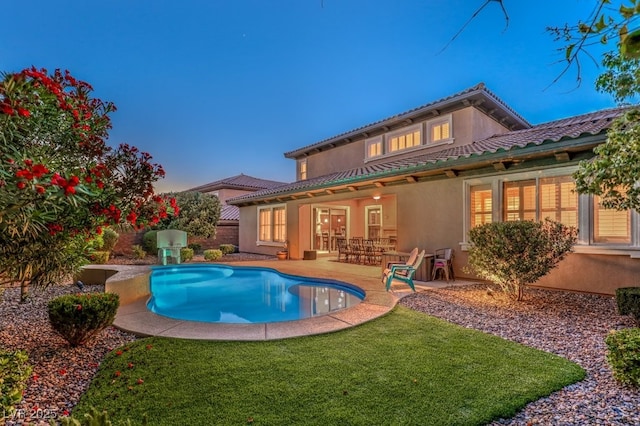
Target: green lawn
404, 368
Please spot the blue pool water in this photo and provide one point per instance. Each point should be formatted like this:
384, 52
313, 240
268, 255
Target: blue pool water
225, 294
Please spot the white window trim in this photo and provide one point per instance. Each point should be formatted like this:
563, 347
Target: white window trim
439, 120
367, 142
584, 245
271, 242
425, 144
367, 209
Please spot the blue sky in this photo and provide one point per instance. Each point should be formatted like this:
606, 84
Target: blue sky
214, 88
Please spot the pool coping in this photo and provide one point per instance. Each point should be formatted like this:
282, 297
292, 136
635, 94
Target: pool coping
132, 285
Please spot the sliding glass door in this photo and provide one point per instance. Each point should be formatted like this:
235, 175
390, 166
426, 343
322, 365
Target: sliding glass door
329, 224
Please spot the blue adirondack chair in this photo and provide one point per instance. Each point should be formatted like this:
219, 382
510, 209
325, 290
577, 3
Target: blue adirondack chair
403, 273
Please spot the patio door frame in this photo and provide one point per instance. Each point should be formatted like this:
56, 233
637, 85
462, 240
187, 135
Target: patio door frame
330, 207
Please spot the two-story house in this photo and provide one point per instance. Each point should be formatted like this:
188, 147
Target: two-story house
426, 176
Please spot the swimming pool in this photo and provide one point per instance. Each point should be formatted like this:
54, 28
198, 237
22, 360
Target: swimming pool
226, 294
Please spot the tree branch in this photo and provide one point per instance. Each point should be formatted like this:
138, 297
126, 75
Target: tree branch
475, 14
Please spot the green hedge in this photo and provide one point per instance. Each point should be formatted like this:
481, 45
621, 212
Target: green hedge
78, 317
624, 355
14, 373
628, 300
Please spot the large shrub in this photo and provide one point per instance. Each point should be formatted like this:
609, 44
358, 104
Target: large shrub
199, 214
78, 317
59, 180
516, 254
623, 355
14, 373
628, 300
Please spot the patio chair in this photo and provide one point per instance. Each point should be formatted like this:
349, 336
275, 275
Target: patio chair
402, 273
343, 249
355, 249
443, 264
368, 253
413, 255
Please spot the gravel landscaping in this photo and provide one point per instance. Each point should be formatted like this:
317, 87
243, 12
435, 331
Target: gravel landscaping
568, 324
60, 373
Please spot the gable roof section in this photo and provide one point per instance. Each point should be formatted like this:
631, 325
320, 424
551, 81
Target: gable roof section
478, 96
553, 133
241, 181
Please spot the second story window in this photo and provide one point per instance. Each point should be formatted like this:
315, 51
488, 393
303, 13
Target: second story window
302, 169
439, 129
405, 138
374, 147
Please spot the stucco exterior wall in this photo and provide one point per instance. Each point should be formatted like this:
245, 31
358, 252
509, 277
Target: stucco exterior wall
249, 231
594, 273
340, 158
430, 216
469, 125
483, 126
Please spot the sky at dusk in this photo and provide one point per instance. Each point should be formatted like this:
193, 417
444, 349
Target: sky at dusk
214, 88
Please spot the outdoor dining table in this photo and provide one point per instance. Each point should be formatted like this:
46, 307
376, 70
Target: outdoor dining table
424, 270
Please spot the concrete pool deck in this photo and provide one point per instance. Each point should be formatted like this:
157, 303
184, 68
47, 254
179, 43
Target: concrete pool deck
131, 283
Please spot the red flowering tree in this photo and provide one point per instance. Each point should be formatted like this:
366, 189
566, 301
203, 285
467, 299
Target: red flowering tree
59, 180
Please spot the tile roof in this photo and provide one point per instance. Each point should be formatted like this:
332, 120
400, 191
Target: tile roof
551, 132
230, 213
478, 95
240, 181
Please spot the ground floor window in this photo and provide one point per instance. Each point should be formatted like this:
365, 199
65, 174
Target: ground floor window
272, 224
537, 199
610, 226
481, 205
558, 200
548, 194
519, 200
